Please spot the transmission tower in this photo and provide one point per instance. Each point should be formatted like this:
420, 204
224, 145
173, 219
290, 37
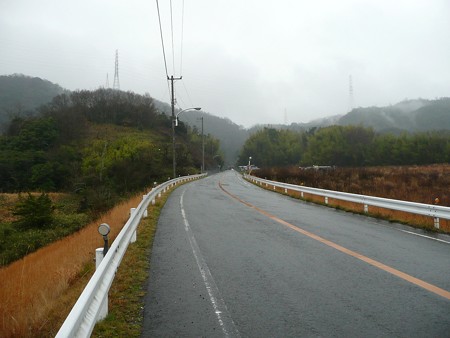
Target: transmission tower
116, 84
350, 92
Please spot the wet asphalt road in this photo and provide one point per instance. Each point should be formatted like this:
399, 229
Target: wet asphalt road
223, 268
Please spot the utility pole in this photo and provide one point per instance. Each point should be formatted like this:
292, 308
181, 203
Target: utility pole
172, 79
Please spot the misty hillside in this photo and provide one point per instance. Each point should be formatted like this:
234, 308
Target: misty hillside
410, 115
406, 116
231, 136
20, 95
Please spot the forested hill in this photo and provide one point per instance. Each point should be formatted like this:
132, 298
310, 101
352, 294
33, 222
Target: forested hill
100, 144
20, 95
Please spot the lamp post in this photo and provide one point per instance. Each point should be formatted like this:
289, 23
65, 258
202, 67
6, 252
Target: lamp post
174, 124
249, 160
203, 149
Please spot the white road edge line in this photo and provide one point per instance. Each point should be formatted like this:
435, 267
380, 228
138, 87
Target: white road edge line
220, 309
416, 234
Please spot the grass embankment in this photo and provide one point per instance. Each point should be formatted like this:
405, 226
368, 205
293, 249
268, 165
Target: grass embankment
422, 184
38, 291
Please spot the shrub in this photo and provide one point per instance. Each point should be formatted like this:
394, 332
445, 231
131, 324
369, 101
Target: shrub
33, 212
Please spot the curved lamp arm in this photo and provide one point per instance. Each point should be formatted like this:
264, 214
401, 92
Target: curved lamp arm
176, 117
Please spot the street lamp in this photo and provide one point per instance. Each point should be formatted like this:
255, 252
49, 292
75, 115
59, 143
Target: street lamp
174, 124
203, 149
249, 159
176, 117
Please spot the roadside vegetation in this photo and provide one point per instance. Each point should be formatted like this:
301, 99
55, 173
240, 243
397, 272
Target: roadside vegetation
33, 220
422, 184
60, 271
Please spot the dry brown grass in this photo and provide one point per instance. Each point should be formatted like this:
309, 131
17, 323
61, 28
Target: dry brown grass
31, 287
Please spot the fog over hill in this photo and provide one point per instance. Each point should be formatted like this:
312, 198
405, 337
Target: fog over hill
20, 94
406, 116
410, 115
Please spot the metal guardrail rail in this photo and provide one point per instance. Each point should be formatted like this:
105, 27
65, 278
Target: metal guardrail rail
431, 210
85, 313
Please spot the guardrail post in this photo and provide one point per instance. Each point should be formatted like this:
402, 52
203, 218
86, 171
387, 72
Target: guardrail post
104, 307
436, 222
145, 211
98, 257
285, 190
133, 237
366, 208
301, 194
326, 200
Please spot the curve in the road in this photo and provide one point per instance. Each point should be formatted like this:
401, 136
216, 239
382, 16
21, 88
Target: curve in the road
416, 281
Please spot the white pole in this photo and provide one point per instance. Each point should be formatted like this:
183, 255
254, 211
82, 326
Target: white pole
104, 307
133, 237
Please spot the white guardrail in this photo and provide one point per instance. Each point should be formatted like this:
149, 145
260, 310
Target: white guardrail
435, 211
89, 307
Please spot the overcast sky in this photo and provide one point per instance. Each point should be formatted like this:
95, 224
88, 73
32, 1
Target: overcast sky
250, 61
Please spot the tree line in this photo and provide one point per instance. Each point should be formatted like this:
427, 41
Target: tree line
344, 146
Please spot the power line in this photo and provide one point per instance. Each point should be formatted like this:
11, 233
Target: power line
171, 29
187, 93
162, 40
182, 35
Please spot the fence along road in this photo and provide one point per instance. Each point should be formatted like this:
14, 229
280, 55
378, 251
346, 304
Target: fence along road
232, 259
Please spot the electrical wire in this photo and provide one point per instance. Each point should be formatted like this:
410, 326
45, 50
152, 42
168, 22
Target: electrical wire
187, 93
182, 35
171, 28
173, 44
162, 40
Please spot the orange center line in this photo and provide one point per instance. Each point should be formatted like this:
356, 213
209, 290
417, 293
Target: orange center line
416, 281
